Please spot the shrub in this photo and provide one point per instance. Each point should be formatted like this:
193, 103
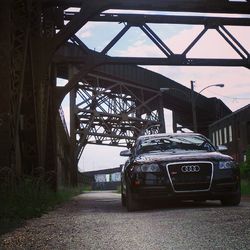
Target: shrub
27, 198
245, 187
245, 166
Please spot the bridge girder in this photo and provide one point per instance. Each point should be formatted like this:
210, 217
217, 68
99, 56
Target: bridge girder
141, 21
201, 6
117, 114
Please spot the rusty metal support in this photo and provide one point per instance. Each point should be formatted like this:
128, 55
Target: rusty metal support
73, 127
201, 6
51, 153
140, 19
114, 113
34, 30
162, 128
5, 94
116, 39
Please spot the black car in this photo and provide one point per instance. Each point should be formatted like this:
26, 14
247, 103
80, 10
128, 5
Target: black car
182, 166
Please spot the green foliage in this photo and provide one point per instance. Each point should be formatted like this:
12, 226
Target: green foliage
28, 198
86, 188
245, 174
245, 187
118, 190
245, 166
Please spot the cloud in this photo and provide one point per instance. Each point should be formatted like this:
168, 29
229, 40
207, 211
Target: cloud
212, 45
87, 30
142, 49
105, 157
84, 33
236, 80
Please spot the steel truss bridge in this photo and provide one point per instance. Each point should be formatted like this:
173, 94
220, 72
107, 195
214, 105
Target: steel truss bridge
112, 100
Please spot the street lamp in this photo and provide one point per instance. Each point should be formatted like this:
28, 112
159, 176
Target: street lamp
193, 99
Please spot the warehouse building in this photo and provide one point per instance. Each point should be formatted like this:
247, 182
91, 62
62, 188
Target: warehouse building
233, 131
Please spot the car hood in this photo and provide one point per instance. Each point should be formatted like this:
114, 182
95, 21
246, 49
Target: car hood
181, 156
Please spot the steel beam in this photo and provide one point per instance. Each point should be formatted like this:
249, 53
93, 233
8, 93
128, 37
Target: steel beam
73, 127
174, 60
201, 6
88, 10
6, 139
139, 19
34, 30
115, 115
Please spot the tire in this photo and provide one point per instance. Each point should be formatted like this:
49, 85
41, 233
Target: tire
123, 198
131, 203
233, 200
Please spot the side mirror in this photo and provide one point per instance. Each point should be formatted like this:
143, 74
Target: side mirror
125, 153
221, 148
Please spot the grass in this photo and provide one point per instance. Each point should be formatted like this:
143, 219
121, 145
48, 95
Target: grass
118, 190
245, 175
27, 199
245, 187
32, 198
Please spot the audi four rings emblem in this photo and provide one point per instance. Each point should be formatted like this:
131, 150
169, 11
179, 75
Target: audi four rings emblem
190, 169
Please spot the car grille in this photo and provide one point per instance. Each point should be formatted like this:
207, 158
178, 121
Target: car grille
190, 176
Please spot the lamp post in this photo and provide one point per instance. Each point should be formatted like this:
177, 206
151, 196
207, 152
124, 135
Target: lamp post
193, 107
193, 99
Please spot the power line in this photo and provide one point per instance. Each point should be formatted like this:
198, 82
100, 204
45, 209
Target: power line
229, 97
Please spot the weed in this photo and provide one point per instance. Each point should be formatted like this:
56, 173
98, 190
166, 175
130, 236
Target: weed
118, 190
245, 166
245, 187
29, 197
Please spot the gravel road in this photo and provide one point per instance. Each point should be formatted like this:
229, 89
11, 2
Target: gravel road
96, 220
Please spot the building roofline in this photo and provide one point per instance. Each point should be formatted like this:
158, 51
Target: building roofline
230, 115
102, 171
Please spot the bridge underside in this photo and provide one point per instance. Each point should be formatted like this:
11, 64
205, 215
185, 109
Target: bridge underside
114, 97
116, 103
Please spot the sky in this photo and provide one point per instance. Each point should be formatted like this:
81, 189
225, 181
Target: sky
235, 94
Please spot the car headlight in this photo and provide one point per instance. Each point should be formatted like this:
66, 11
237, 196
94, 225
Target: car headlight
146, 168
226, 165
151, 168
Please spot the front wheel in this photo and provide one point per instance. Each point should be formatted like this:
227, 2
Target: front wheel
123, 198
131, 203
233, 200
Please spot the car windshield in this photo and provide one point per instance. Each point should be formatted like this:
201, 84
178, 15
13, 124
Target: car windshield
173, 144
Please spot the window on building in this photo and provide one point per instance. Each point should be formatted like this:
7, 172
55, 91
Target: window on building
217, 137
213, 138
230, 133
220, 137
225, 135
107, 177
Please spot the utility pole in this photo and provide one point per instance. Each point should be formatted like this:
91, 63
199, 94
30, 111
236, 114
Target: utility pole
193, 107
193, 97
161, 116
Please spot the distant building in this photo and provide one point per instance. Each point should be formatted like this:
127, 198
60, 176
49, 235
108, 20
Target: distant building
233, 131
105, 179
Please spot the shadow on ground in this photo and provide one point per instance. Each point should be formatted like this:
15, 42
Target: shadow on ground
107, 202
